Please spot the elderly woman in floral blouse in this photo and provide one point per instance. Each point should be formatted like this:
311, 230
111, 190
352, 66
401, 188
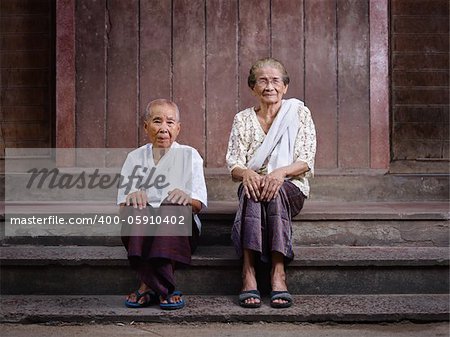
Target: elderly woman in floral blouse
271, 151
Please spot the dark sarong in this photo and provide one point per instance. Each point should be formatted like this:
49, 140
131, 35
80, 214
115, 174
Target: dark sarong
154, 258
266, 227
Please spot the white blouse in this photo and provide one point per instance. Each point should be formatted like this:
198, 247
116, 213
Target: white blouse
247, 135
181, 167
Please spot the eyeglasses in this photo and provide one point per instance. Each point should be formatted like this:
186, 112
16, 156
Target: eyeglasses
263, 82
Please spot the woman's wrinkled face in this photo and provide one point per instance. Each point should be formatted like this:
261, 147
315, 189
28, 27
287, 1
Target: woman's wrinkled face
269, 87
162, 126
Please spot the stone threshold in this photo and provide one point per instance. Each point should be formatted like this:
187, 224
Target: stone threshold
313, 210
214, 256
202, 308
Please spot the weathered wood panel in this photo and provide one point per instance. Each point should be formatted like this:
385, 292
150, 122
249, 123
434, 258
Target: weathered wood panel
155, 55
23, 113
353, 84
198, 53
25, 7
221, 77
91, 73
254, 43
420, 85
420, 8
16, 59
25, 41
287, 42
321, 77
25, 24
189, 70
66, 79
122, 51
27, 73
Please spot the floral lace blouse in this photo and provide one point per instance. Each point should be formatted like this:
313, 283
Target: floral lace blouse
247, 136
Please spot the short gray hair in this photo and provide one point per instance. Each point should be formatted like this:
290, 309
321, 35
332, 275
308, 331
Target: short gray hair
161, 101
266, 62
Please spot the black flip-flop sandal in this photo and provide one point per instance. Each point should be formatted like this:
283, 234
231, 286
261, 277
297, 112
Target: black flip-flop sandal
280, 295
245, 295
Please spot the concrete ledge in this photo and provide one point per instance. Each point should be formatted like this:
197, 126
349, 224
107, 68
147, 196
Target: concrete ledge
216, 270
215, 256
313, 210
326, 210
336, 308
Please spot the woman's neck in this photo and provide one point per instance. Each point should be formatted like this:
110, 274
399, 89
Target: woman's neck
266, 115
268, 111
158, 153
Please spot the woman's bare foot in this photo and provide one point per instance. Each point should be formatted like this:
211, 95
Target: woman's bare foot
278, 275
249, 276
132, 298
173, 299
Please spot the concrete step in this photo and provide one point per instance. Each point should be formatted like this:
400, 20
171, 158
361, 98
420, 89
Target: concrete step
201, 308
319, 224
345, 223
356, 185
216, 270
327, 185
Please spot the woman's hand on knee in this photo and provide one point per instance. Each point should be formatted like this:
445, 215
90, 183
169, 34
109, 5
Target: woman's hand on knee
137, 199
252, 184
179, 197
271, 184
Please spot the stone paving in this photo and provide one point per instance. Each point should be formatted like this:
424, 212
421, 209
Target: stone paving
259, 329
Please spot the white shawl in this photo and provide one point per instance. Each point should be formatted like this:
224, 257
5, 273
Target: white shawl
280, 140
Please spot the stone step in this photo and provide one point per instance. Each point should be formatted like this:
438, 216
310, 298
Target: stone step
203, 308
319, 224
327, 185
312, 210
345, 223
216, 270
356, 185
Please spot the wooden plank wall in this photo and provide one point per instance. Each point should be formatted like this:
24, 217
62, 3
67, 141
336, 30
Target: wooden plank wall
27, 73
420, 79
198, 52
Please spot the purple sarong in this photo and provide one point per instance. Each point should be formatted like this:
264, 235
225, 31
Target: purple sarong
266, 227
155, 257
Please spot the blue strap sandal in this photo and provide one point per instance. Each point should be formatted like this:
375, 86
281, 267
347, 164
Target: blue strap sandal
245, 295
149, 298
170, 305
280, 295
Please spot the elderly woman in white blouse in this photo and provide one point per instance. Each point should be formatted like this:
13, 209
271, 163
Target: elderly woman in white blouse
271, 151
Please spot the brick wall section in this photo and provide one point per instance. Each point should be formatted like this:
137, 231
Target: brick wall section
420, 79
27, 75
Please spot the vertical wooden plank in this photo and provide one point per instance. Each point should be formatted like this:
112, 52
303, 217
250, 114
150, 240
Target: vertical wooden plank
189, 70
320, 77
122, 38
353, 84
91, 68
221, 77
379, 85
65, 81
254, 43
287, 42
155, 54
